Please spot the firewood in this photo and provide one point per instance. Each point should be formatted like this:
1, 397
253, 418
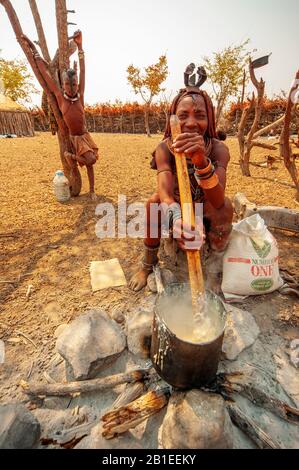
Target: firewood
240, 383
131, 392
129, 416
84, 386
67, 437
249, 427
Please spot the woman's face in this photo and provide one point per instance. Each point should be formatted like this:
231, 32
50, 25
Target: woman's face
192, 114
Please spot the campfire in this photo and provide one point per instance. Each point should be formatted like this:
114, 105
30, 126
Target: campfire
143, 393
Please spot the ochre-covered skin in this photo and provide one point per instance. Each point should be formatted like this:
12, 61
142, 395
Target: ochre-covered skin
71, 104
194, 113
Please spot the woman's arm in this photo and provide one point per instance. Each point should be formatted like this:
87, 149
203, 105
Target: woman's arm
184, 234
78, 40
165, 175
193, 145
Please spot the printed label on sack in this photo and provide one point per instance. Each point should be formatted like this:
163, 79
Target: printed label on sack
262, 251
262, 285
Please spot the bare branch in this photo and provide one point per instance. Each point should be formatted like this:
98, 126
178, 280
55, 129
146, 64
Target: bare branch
268, 128
40, 30
264, 145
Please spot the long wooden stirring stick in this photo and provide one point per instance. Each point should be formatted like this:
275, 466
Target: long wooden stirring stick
193, 257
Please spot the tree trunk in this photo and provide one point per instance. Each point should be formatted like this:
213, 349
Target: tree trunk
245, 162
40, 30
73, 175
219, 111
247, 144
146, 121
285, 147
63, 44
63, 133
45, 52
244, 159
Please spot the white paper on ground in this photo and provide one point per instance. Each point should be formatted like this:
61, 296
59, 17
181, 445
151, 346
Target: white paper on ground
105, 274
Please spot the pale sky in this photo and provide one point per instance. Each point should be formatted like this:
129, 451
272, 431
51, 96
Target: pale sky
117, 33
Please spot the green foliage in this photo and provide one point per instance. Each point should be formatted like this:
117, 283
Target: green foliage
148, 83
225, 72
16, 80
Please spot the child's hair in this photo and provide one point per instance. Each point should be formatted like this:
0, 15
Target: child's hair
69, 75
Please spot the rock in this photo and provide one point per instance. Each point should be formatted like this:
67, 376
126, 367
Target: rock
19, 429
241, 332
90, 343
197, 420
118, 316
167, 278
287, 376
56, 403
139, 333
60, 329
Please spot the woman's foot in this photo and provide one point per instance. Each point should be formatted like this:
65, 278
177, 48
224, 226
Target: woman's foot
150, 259
139, 280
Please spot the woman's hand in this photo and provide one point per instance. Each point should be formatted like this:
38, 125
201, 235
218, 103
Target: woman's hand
191, 144
77, 37
188, 238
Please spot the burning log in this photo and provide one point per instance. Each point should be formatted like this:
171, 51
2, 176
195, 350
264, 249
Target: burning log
84, 386
129, 416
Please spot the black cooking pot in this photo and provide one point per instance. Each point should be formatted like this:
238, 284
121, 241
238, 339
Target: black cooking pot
181, 363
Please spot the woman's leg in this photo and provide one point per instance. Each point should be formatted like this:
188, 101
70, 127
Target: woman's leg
218, 229
151, 243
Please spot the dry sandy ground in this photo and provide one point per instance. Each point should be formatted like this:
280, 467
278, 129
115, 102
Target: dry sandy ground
49, 245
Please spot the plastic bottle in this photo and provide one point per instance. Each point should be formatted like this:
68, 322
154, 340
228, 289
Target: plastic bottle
61, 187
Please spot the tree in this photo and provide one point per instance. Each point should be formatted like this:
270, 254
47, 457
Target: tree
16, 80
226, 73
148, 83
284, 141
57, 65
246, 143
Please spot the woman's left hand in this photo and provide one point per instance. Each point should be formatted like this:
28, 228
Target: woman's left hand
191, 144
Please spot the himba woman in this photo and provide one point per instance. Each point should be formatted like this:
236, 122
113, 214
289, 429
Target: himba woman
207, 160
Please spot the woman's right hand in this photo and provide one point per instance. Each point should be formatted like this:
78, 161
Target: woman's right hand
188, 238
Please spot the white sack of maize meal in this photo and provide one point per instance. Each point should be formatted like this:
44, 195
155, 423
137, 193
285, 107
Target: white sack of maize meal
250, 264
